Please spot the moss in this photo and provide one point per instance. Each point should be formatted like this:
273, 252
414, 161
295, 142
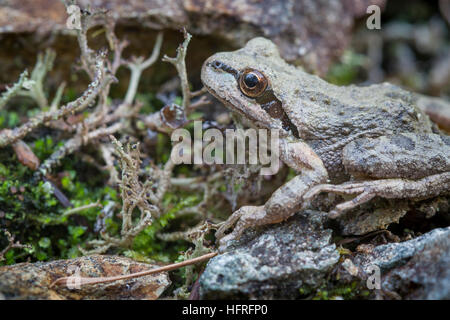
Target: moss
34, 215
147, 244
347, 70
149, 102
346, 291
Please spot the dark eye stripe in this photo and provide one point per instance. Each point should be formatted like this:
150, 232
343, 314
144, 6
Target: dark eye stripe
270, 103
218, 65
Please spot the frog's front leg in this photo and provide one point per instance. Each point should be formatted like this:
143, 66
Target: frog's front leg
286, 200
405, 166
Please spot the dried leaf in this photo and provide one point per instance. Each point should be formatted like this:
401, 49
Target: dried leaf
25, 155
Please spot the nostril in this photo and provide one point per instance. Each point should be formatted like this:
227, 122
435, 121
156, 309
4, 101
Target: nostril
216, 64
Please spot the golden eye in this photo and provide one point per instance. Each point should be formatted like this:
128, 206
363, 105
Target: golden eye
252, 83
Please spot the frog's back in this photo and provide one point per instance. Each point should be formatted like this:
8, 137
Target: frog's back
343, 114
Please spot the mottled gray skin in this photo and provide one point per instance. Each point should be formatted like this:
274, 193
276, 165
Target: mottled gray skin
343, 133
406, 155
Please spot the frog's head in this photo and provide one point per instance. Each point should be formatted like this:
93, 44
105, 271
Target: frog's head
244, 80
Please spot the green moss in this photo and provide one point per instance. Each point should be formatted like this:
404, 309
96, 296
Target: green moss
32, 213
346, 71
150, 103
349, 291
147, 244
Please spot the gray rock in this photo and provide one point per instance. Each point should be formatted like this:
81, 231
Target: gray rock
427, 274
392, 255
273, 263
379, 214
301, 28
368, 219
414, 269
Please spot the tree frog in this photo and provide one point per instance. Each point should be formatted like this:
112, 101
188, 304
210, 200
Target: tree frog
363, 141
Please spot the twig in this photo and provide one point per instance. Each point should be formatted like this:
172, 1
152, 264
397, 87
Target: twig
14, 90
108, 158
82, 208
87, 54
134, 194
164, 180
36, 91
137, 66
9, 136
85, 280
57, 98
74, 144
11, 245
180, 63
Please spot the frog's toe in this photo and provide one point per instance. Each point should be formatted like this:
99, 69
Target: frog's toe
220, 233
360, 189
356, 201
223, 242
313, 192
242, 219
340, 189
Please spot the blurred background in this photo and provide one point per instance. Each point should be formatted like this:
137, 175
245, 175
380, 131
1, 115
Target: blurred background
329, 38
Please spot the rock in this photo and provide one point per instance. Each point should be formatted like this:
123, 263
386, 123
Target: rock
350, 267
273, 262
370, 218
301, 29
382, 213
414, 269
32, 280
427, 273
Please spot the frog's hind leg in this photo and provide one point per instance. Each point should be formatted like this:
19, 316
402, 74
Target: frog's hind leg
427, 187
404, 165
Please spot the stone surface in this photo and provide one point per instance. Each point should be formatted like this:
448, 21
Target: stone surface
370, 218
32, 280
414, 269
383, 213
273, 262
301, 29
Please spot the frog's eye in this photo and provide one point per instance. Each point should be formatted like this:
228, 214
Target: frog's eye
252, 83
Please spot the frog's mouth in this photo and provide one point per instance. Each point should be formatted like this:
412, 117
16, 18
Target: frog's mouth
248, 107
